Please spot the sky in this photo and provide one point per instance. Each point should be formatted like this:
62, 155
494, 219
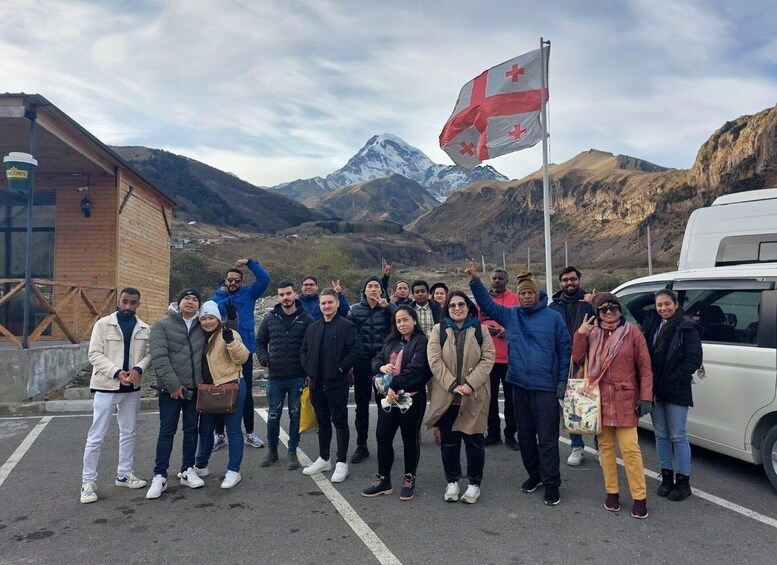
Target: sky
274, 90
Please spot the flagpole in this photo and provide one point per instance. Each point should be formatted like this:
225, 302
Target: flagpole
545, 172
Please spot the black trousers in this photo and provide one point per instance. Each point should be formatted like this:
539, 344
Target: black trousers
537, 414
409, 423
331, 407
450, 449
498, 374
362, 393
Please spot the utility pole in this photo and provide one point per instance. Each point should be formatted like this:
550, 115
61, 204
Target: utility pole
650, 254
504, 261
566, 254
483, 262
528, 258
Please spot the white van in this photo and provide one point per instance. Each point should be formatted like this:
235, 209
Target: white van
737, 229
735, 404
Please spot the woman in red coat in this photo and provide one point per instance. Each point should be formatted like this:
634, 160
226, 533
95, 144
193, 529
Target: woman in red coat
619, 361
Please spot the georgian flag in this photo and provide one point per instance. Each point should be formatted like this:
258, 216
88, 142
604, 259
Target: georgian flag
496, 113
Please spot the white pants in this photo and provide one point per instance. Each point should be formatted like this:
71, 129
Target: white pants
127, 406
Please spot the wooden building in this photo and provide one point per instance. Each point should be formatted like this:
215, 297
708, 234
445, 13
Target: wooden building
98, 226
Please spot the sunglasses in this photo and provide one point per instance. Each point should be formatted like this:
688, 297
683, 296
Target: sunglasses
609, 308
231, 280
457, 305
569, 279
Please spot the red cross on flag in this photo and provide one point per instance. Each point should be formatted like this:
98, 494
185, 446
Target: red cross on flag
496, 113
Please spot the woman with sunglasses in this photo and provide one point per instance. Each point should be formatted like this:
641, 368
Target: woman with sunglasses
404, 358
675, 351
618, 359
461, 355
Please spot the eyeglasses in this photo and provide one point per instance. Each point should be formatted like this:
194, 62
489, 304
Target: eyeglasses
231, 280
569, 279
457, 305
609, 308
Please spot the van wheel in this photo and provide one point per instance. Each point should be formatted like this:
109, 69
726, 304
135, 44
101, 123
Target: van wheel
769, 455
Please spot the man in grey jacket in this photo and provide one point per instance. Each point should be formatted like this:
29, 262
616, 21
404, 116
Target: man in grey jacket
118, 352
177, 343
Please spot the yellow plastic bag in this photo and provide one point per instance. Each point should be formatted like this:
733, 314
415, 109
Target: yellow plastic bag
307, 415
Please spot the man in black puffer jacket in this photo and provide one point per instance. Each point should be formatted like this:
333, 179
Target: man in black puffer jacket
372, 316
277, 347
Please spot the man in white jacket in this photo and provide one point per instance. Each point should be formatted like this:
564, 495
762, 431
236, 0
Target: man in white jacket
118, 352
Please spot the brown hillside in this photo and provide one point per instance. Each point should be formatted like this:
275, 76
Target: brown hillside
603, 202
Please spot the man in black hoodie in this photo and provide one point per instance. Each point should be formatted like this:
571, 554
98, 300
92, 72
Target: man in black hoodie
372, 316
278, 342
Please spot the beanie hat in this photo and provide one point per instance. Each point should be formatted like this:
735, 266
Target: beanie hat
210, 308
526, 282
601, 298
189, 292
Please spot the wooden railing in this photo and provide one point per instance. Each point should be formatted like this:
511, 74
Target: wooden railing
67, 307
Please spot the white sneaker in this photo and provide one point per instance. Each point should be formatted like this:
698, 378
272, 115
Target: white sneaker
129, 480
576, 457
452, 492
190, 478
318, 466
471, 495
341, 472
231, 479
88, 493
254, 440
201, 471
158, 486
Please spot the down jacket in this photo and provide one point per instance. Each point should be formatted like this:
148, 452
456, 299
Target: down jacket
374, 324
106, 351
414, 373
225, 360
327, 364
176, 354
628, 379
538, 343
477, 364
278, 342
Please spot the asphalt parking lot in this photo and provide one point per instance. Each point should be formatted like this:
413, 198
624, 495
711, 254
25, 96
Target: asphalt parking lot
280, 516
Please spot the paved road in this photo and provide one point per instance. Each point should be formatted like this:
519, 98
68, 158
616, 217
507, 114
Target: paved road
278, 516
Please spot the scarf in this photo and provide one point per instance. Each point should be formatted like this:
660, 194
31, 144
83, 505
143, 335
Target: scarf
664, 337
604, 343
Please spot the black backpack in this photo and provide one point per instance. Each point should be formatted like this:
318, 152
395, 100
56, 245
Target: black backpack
444, 334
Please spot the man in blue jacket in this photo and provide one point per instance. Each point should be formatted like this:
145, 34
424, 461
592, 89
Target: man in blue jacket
539, 350
309, 298
232, 294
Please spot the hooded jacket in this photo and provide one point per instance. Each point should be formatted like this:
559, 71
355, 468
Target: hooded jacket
176, 354
373, 324
278, 342
538, 343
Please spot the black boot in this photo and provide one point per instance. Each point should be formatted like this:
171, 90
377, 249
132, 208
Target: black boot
682, 488
667, 482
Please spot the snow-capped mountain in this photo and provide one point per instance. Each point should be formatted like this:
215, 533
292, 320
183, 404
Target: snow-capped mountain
382, 156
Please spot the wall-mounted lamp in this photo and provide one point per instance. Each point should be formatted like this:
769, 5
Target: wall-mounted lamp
86, 206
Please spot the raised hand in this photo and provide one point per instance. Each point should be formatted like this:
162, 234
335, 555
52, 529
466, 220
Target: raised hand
241, 263
587, 325
472, 270
336, 286
387, 269
589, 297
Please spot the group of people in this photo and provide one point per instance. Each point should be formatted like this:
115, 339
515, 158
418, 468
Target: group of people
438, 348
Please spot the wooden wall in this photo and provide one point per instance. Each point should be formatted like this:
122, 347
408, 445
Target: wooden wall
144, 245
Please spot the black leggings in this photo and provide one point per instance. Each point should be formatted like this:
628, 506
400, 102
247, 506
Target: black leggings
409, 424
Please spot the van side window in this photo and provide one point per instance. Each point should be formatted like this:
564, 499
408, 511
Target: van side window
726, 316
742, 249
638, 305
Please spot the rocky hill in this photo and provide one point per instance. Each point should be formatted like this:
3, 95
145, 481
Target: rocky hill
394, 198
208, 195
603, 203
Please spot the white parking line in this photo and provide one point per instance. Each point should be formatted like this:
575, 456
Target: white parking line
379, 549
17, 455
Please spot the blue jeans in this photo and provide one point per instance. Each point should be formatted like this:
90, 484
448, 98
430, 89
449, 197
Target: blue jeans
671, 438
277, 389
234, 434
577, 441
170, 410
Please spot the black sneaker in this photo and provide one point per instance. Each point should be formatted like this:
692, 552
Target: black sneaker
272, 457
408, 487
512, 443
531, 484
492, 439
381, 485
360, 454
552, 497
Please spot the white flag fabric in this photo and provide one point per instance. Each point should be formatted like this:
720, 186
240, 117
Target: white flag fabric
497, 112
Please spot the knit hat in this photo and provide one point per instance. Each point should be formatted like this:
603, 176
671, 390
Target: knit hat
526, 282
189, 292
210, 308
601, 298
